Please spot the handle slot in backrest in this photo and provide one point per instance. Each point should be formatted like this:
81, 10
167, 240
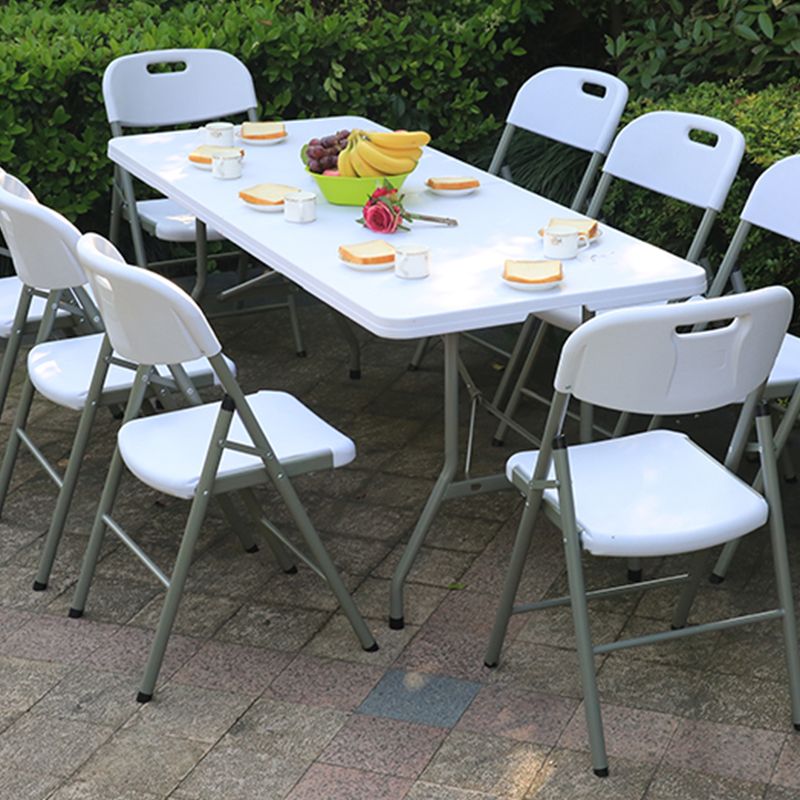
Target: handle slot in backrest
160, 67
703, 137
594, 89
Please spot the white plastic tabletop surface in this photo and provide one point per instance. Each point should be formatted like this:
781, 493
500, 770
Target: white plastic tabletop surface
465, 290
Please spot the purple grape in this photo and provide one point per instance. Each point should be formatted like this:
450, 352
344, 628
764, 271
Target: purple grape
314, 141
315, 151
315, 166
327, 141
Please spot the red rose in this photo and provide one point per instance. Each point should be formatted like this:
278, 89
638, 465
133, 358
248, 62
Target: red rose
382, 191
380, 218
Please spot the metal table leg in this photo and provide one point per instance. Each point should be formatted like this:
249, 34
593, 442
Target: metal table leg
445, 487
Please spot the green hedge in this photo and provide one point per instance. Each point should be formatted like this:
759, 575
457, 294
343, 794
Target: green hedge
660, 46
770, 122
440, 70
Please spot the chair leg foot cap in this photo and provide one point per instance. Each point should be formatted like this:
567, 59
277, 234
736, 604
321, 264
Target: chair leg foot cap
75, 613
490, 664
397, 623
355, 374
601, 773
143, 697
38, 586
301, 354
634, 576
291, 571
373, 648
253, 549
797, 726
714, 578
676, 627
413, 367
497, 442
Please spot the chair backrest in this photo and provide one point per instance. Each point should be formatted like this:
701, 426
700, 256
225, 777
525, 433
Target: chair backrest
148, 318
647, 360
41, 241
775, 198
661, 151
565, 104
206, 84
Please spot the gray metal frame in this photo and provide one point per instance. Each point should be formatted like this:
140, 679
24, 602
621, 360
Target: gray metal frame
274, 472
555, 451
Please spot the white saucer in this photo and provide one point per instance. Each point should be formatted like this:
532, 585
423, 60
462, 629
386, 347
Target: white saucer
592, 240
452, 192
262, 142
272, 208
532, 287
368, 267
198, 165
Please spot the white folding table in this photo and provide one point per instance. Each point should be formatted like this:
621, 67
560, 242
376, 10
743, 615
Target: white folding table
465, 290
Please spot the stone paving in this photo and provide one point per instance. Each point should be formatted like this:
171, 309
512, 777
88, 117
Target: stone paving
265, 693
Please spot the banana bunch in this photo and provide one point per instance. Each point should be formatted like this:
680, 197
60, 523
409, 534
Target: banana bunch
374, 154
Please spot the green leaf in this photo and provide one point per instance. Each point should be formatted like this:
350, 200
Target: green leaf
765, 23
746, 32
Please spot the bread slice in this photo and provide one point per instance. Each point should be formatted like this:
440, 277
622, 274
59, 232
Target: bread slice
267, 194
453, 183
204, 153
375, 251
520, 271
263, 130
588, 227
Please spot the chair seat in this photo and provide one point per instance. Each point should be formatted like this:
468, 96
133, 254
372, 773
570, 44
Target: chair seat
171, 222
167, 451
785, 373
653, 493
10, 290
61, 370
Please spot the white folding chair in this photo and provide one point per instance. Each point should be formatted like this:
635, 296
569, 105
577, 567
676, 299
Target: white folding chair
654, 493
165, 88
42, 244
661, 151
21, 307
204, 450
771, 207
578, 107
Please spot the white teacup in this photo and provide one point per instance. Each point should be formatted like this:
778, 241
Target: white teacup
411, 261
226, 165
300, 207
220, 133
562, 242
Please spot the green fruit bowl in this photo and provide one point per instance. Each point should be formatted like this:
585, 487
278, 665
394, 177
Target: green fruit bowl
352, 191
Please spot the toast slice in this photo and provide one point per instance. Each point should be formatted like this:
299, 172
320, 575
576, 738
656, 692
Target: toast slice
375, 251
588, 227
204, 153
520, 271
267, 194
263, 130
453, 183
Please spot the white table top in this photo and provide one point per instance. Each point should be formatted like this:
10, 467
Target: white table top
465, 290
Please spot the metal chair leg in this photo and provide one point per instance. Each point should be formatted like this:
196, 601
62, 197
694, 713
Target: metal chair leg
297, 334
522, 380
13, 343
70, 478
780, 556
183, 560
580, 610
